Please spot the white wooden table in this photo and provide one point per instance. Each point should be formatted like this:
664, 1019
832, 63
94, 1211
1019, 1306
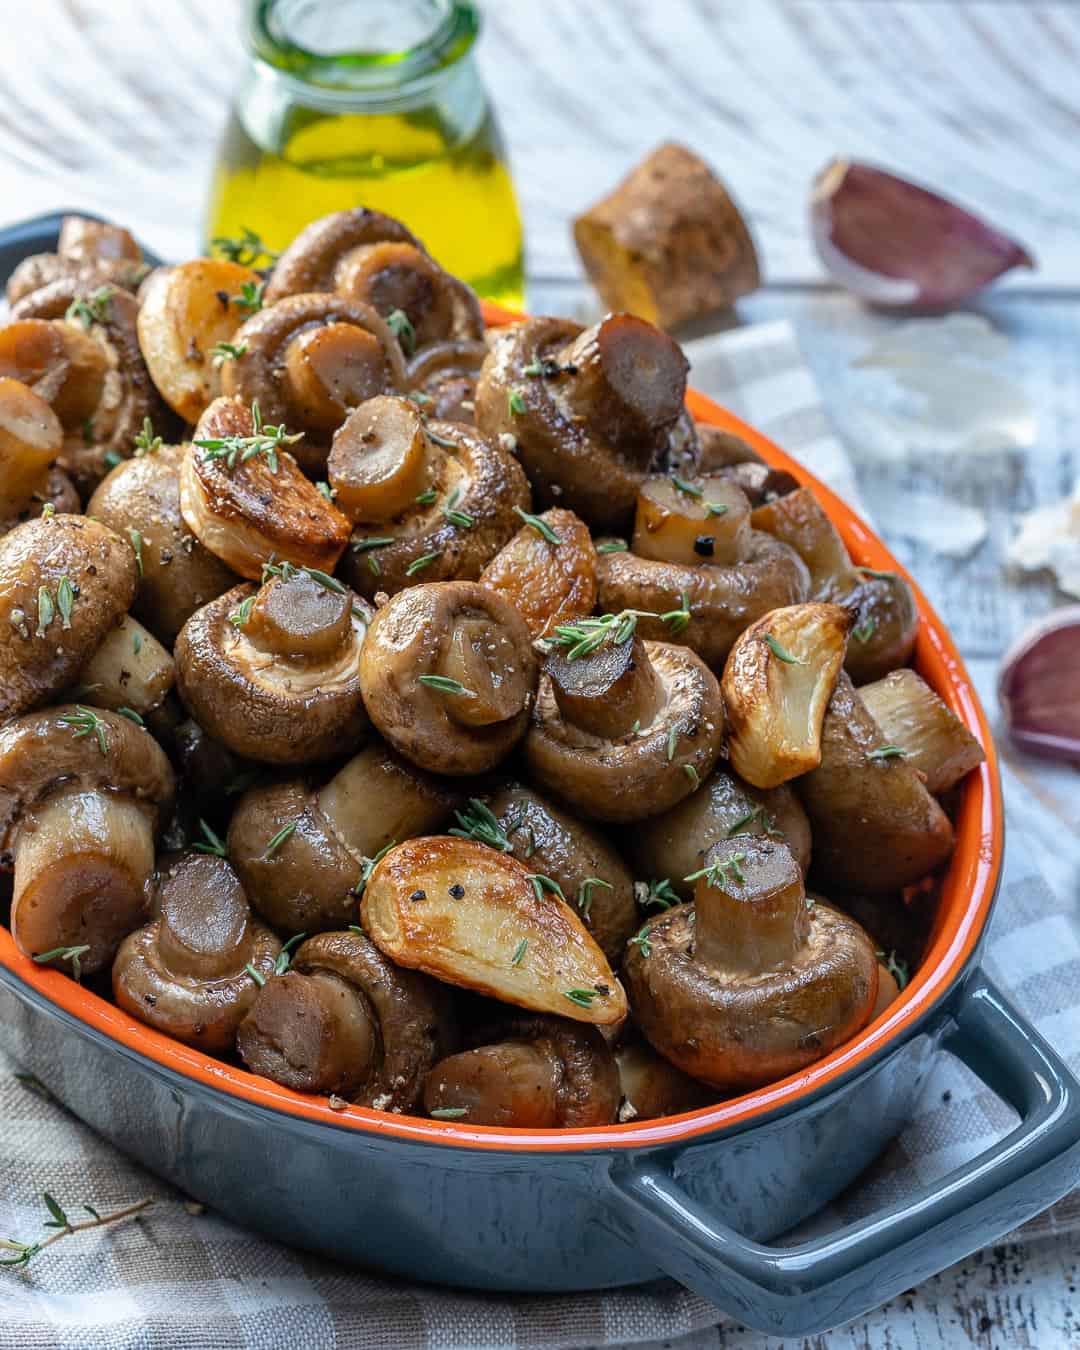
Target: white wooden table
115, 105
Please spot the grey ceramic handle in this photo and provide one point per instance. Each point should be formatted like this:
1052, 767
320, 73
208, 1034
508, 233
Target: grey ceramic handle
805, 1289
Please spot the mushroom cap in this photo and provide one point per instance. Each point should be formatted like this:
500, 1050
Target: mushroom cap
409, 638
179, 575
723, 600
35, 274
38, 659
642, 773
414, 1013
488, 482
884, 628
735, 1030
446, 372
40, 751
311, 261
263, 705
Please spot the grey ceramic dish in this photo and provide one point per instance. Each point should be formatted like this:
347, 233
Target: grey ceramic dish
699, 1196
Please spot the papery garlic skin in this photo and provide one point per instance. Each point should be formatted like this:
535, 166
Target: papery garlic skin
1049, 537
1039, 687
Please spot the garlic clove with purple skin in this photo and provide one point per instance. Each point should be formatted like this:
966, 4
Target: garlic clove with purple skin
899, 245
1039, 687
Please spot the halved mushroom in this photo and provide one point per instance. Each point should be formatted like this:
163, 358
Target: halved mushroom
328, 838
547, 571
81, 793
623, 728
140, 500
589, 873
243, 495
94, 252
448, 675
591, 411
672, 845
443, 378
346, 1020
542, 1073
694, 551
65, 583
30, 440
751, 982
475, 917
777, 682
434, 500
188, 315
308, 360
189, 972
651, 1086
130, 672
274, 673
886, 619
875, 826
936, 744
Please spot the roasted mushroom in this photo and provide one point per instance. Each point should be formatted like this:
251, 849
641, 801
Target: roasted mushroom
131, 672
547, 571
320, 255
65, 583
936, 744
303, 854
875, 826
81, 793
751, 982
443, 378
433, 501
651, 1086
30, 440
590, 411
346, 1020
243, 495
274, 672
622, 728
140, 500
92, 252
693, 550
189, 972
448, 675
542, 1073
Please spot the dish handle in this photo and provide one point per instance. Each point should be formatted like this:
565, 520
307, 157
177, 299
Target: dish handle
806, 1289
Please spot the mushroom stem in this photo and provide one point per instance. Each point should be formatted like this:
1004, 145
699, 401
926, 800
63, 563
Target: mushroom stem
378, 459
205, 924
509, 1083
82, 861
610, 691
331, 369
750, 906
30, 439
375, 800
131, 669
294, 615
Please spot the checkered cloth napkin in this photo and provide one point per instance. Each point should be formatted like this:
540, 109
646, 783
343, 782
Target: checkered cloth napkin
178, 1278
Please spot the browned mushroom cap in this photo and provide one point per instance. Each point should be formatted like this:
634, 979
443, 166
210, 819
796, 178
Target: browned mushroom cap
65, 581
93, 251
719, 449
274, 673
311, 261
443, 376
308, 360
448, 674
30, 439
187, 313
547, 571
244, 496
885, 617
60, 361
672, 845
329, 837
188, 972
590, 411
466, 506
80, 796
750, 983
592, 876
347, 1020
651, 1086
127, 394
651, 736
875, 826
543, 1073
141, 499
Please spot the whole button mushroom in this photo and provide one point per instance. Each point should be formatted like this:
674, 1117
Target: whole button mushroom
621, 728
651, 1086
329, 837
320, 255
81, 793
189, 972
93, 252
30, 440
590, 411
542, 1073
346, 1020
244, 497
432, 501
751, 982
273, 672
693, 547
65, 583
443, 377
448, 675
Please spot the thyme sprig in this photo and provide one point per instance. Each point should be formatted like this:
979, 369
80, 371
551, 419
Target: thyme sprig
541, 883
678, 620
246, 249
227, 351
86, 722
264, 440
659, 891
781, 652
276, 840
588, 635
286, 570
24, 1252
146, 442
402, 328
480, 823
461, 519
72, 954
367, 866
210, 843
758, 812
584, 894
284, 957
250, 297
90, 309
723, 872
641, 939
541, 527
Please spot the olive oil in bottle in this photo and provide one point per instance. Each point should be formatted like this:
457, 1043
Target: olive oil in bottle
399, 122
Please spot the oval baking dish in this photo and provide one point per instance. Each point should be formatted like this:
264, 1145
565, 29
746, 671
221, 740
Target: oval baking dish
698, 1196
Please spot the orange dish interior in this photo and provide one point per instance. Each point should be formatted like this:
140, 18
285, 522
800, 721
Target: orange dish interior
967, 893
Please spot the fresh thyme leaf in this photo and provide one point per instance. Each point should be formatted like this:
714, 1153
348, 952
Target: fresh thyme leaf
582, 997
716, 874
887, 752
367, 866
445, 685
613, 546
146, 442
257, 976
461, 519
479, 822
278, 839
131, 715
519, 952
71, 954
447, 1112
240, 615
60, 1219
250, 297
227, 351
530, 847
136, 643
444, 441
425, 560
657, 892
716, 509
264, 440
692, 774
90, 309
427, 497
865, 630
136, 544
46, 610
371, 541
400, 325
65, 600
373, 565
246, 249
541, 527
584, 895
641, 939
691, 489
112, 459
781, 652
327, 491
85, 722
869, 572
672, 742
285, 569
515, 402
541, 883
678, 620
281, 965
213, 844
